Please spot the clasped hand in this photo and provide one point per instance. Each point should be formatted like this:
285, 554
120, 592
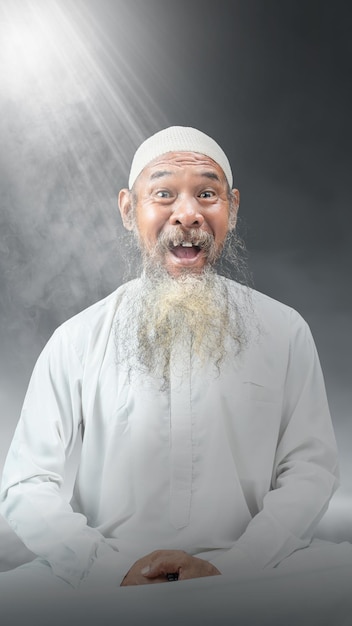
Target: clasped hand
154, 567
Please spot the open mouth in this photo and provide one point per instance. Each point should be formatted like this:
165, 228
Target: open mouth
186, 250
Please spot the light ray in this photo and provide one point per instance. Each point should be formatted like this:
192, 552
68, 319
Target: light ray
48, 63
73, 108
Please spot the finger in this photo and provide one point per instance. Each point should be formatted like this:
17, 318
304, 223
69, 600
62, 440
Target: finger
142, 580
161, 568
150, 571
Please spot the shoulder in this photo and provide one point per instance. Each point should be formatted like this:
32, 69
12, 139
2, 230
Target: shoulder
274, 330
96, 313
267, 312
91, 327
280, 348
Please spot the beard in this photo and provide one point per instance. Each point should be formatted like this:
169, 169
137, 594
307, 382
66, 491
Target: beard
191, 313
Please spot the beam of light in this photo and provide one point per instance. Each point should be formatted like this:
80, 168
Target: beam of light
74, 105
49, 63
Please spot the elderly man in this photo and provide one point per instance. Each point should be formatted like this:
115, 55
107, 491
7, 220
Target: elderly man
207, 445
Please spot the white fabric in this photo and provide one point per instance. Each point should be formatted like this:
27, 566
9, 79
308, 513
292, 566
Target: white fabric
178, 139
236, 468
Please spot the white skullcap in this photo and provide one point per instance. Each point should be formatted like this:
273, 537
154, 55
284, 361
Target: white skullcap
178, 139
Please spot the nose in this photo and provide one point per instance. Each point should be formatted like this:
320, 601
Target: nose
186, 213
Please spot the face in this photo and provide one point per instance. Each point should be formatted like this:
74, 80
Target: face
182, 198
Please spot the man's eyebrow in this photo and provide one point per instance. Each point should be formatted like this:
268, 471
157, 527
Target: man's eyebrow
211, 175
159, 174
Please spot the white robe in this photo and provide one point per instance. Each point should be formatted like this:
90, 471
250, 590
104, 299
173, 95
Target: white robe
236, 467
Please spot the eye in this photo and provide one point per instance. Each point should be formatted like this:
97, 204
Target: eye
163, 193
207, 194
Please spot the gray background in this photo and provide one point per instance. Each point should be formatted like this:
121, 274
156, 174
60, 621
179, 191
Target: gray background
83, 82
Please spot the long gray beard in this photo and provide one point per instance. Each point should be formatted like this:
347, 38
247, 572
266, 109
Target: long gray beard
196, 313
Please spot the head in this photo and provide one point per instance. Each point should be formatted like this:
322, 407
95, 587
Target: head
180, 203
182, 209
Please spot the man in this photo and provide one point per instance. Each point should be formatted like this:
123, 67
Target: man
207, 445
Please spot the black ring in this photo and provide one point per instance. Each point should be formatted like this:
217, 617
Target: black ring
171, 577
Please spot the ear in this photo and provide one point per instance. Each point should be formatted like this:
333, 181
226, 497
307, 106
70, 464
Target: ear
125, 206
235, 205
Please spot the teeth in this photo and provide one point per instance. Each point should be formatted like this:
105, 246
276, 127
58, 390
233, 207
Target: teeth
186, 244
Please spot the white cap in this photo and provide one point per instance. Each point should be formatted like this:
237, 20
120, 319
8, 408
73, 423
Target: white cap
178, 139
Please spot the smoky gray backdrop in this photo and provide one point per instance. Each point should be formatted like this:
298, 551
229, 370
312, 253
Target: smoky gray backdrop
83, 82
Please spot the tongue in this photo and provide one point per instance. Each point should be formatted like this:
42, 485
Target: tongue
185, 253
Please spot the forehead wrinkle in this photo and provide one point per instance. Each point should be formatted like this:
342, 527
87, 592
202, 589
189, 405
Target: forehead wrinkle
181, 159
161, 173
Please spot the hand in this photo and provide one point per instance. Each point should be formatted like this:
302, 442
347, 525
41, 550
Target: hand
154, 567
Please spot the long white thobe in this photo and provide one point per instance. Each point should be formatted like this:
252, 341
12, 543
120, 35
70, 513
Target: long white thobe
236, 467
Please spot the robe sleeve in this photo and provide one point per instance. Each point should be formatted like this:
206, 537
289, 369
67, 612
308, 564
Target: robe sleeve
305, 470
31, 499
